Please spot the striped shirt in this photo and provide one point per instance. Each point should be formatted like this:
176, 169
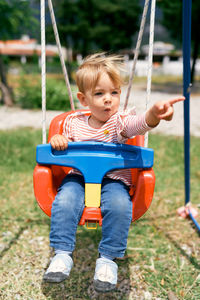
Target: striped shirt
120, 127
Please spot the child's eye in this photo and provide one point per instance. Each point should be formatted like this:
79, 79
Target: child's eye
98, 93
115, 92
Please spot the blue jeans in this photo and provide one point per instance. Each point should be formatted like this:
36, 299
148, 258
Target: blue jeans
67, 208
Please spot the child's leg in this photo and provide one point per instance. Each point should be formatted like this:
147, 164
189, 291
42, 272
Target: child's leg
116, 207
66, 212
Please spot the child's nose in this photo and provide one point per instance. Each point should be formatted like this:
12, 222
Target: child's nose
107, 98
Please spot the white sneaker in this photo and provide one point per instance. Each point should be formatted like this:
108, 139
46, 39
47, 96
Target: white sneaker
105, 277
59, 268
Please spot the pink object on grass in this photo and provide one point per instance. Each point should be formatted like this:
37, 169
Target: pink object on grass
184, 211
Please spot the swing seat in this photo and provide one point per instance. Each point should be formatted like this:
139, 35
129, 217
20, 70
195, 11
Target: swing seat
53, 166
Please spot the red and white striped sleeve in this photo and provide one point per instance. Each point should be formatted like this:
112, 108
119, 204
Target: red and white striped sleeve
130, 125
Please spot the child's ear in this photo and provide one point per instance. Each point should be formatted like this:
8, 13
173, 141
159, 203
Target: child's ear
81, 97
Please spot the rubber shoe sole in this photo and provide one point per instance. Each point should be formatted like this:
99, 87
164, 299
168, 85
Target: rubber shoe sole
55, 277
103, 287
59, 268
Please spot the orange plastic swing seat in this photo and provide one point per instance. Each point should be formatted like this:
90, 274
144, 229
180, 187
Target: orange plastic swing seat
47, 179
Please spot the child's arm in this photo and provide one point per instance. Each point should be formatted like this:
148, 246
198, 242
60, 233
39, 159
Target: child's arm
59, 142
162, 110
138, 125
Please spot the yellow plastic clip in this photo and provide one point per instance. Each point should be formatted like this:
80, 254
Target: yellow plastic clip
92, 194
91, 227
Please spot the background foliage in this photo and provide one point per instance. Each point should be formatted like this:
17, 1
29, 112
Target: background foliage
16, 18
89, 25
172, 20
29, 94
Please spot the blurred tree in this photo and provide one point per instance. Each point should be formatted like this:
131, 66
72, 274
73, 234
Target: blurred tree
172, 19
88, 25
16, 18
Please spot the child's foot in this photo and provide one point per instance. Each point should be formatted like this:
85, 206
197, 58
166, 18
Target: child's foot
59, 268
105, 277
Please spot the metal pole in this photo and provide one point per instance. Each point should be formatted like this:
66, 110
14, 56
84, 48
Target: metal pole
187, 17
187, 8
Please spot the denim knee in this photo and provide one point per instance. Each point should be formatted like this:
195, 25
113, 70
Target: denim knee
116, 208
67, 209
120, 205
116, 200
67, 199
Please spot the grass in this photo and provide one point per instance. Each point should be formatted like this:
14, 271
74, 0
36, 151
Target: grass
163, 250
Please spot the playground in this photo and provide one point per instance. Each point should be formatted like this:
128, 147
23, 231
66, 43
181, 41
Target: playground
162, 255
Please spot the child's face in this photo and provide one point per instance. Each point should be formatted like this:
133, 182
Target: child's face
103, 101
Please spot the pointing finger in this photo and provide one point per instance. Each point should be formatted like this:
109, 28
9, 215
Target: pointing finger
175, 100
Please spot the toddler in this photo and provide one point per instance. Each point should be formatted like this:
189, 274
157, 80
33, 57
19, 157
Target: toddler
99, 82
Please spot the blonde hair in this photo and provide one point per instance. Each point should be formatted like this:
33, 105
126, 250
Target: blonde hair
92, 68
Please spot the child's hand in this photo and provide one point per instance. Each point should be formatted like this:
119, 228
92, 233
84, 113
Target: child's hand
162, 110
59, 142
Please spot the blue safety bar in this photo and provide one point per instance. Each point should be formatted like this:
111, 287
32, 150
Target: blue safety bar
95, 159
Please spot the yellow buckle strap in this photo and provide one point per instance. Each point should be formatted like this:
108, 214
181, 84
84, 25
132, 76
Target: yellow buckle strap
92, 194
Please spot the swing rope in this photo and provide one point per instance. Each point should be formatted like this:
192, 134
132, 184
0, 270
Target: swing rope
150, 61
43, 69
150, 56
137, 50
43, 63
53, 20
